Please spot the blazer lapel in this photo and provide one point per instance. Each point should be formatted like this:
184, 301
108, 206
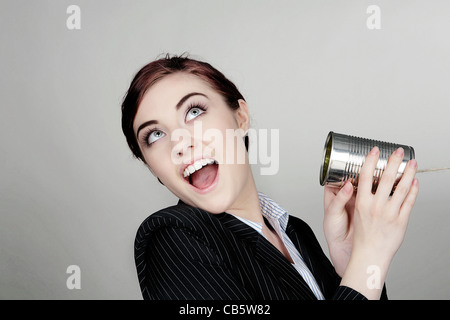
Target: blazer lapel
269, 256
299, 242
279, 265
239, 228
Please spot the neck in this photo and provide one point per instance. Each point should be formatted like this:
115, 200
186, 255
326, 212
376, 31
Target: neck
247, 204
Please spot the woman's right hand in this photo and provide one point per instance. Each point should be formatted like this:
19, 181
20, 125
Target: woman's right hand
379, 222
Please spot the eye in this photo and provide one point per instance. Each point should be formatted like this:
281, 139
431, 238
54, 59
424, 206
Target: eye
194, 112
154, 135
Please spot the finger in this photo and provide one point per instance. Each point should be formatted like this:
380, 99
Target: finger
410, 200
335, 202
329, 193
403, 187
365, 179
389, 174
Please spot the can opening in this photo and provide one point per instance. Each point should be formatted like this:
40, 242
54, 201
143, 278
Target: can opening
326, 159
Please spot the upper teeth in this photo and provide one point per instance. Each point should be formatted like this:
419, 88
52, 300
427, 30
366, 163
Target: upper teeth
197, 165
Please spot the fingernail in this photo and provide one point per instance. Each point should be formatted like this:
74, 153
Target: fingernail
399, 152
415, 182
374, 150
413, 163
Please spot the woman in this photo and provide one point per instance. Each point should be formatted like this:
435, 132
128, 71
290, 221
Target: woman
224, 240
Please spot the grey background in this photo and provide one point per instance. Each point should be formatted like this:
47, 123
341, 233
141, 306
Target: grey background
71, 193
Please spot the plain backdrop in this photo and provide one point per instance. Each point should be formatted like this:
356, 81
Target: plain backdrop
71, 192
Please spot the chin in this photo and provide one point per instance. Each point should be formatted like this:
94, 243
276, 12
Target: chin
213, 205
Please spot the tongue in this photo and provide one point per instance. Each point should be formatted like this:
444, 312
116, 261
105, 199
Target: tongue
204, 177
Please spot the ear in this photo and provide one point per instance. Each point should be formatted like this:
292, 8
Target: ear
242, 116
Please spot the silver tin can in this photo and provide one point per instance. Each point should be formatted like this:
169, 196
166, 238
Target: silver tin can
344, 155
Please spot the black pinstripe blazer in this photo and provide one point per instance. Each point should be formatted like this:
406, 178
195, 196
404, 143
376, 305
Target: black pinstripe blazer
183, 252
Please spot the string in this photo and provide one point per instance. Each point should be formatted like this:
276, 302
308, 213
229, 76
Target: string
434, 169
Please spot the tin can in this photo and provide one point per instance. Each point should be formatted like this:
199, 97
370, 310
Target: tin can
344, 155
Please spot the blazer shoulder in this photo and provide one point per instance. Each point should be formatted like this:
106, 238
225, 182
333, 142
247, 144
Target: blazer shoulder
180, 216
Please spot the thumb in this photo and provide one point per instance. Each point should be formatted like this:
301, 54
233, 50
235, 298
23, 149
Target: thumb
335, 202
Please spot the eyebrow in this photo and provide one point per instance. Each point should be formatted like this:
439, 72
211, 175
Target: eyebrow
177, 107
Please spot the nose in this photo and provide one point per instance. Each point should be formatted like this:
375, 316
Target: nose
182, 151
185, 146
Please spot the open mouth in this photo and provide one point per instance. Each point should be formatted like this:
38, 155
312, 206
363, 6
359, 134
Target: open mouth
202, 174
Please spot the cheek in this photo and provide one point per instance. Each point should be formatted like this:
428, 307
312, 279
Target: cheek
158, 169
159, 162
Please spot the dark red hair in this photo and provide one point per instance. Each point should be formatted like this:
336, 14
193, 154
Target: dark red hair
155, 71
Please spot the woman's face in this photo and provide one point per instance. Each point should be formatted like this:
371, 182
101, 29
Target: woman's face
193, 141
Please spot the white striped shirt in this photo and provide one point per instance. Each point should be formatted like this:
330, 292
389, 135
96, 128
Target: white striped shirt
278, 218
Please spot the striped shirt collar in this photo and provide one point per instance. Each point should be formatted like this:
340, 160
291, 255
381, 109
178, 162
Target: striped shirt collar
271, 211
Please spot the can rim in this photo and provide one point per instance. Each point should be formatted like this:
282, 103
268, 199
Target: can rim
325, 165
